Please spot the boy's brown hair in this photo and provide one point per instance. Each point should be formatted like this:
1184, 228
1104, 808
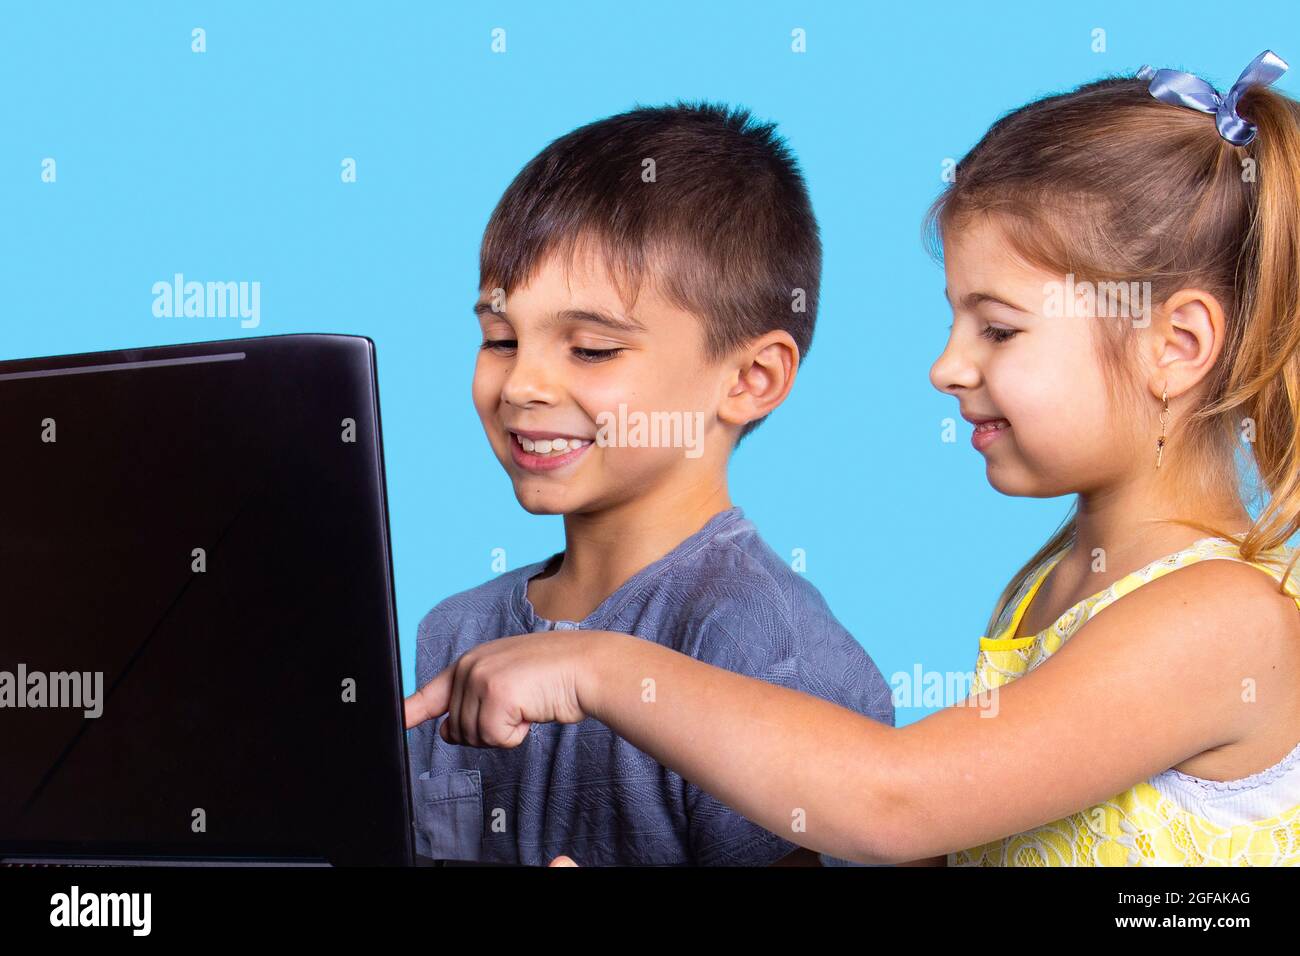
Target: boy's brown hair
705, 202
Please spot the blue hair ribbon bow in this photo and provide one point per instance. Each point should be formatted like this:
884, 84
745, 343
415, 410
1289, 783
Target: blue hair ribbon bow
1184, 89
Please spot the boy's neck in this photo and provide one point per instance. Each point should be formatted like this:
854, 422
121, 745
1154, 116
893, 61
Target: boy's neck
604, 549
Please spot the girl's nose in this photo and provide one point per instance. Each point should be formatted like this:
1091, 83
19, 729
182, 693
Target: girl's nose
952, 370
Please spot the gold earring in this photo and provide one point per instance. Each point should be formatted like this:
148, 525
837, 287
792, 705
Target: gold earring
1164, 419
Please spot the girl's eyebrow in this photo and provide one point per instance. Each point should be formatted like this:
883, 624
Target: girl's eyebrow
972, 299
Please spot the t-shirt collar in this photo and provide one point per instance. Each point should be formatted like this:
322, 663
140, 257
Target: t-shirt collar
599, 619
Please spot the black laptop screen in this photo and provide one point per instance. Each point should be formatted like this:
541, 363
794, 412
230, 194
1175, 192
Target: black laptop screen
202, 530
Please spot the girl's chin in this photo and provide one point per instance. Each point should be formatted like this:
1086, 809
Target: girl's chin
1003, 479
1019, 485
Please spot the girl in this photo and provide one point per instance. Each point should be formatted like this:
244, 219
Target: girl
1124, 277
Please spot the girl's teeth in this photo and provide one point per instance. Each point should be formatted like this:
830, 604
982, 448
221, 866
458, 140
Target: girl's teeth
992, 426
550, 446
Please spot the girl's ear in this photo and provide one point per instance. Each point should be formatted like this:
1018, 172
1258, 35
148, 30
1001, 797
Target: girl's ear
1188, 343
762, 373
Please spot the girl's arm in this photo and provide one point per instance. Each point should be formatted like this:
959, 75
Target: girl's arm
1152, 680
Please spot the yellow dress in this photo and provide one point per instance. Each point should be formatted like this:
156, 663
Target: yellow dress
1173, 818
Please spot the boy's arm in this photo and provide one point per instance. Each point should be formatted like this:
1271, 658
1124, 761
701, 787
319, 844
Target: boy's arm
817, 657
800, 857
718, 834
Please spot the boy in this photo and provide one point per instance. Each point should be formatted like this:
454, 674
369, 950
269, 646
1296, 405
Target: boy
648, 285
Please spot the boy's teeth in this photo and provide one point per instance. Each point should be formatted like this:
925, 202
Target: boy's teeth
993, 425
550, 446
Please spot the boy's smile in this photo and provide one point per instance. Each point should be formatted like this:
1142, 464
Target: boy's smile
546, 451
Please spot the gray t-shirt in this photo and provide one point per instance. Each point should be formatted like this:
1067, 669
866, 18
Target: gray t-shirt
721, 596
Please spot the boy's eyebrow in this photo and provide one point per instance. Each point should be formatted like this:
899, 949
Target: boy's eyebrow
619, 323
972, 299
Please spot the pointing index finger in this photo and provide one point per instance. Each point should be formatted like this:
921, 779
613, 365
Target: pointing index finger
429, 701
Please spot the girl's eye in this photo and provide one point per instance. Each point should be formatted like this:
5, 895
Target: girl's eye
994, 334
500, 345
595, 355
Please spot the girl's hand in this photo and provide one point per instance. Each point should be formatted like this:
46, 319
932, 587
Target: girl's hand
495, 692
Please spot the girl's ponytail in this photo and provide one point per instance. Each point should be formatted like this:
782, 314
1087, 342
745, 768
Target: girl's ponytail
1265, 375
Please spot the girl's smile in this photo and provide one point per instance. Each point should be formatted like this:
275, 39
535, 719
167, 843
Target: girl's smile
987, 433
987, 429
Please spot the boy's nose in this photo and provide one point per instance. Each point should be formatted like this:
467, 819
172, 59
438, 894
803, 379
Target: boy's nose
531, 381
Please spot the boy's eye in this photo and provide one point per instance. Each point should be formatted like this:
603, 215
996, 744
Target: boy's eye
994, 334
595, 355
500, 345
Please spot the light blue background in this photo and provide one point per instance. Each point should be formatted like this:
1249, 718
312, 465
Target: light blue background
225, 166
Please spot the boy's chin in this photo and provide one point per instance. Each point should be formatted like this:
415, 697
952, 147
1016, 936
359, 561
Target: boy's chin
534, 507
543, 500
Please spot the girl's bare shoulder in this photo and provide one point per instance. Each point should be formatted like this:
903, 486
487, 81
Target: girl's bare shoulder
1254, 645
1236, 612
1254, 595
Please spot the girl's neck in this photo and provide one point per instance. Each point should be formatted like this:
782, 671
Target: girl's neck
603, 549
1113, 537
1120, 526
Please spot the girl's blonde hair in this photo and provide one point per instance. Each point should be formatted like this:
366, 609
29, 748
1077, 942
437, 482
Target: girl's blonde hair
1112, 185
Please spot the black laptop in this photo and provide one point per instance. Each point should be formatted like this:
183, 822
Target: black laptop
198, 641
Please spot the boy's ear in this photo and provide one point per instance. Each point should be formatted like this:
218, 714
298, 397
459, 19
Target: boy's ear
762, 373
